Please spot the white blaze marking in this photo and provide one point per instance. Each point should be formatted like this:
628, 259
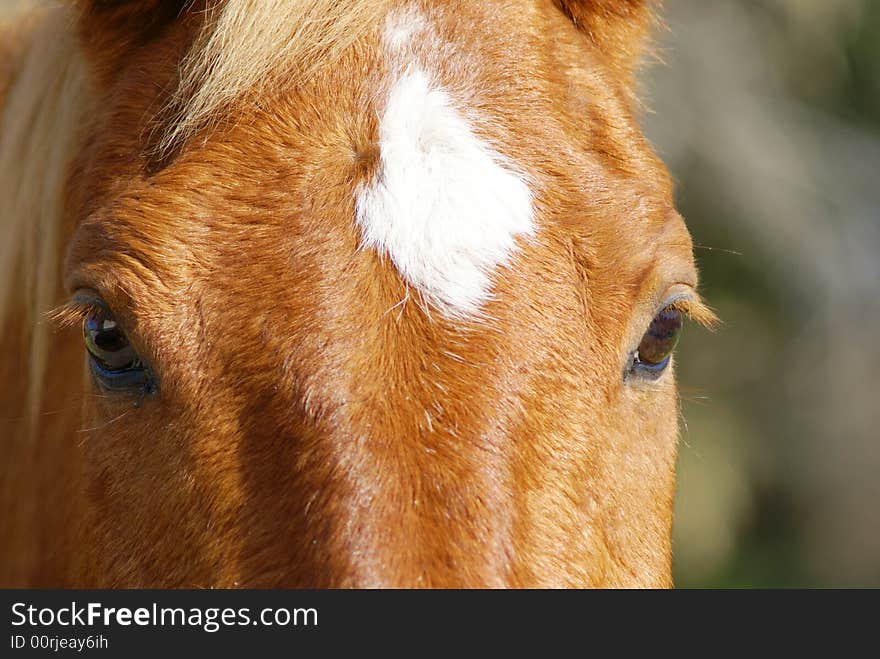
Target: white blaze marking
445, 207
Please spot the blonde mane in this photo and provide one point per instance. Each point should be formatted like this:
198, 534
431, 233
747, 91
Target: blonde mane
248, 44
45, 100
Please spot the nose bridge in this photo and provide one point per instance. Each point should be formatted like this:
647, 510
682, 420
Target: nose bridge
428, 513
376, 493
399, 452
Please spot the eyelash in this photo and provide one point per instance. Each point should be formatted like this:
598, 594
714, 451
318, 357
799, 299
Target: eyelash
72, 313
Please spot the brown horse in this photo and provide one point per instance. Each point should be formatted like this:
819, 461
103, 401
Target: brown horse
362, 293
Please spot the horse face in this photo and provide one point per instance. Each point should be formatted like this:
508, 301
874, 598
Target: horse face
395, 324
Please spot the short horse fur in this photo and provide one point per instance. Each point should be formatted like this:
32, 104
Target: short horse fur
387, 260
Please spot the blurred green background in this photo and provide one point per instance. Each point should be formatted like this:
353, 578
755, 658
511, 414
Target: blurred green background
768, 115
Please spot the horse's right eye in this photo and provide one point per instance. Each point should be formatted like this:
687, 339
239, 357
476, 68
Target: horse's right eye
114, 361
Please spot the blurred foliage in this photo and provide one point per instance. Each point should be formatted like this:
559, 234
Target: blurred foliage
768, 115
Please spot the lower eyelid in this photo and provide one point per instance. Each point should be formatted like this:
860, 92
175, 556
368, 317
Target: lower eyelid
655, 368
644, 370
138, 380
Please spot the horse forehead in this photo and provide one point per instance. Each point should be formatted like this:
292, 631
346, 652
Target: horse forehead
443, 202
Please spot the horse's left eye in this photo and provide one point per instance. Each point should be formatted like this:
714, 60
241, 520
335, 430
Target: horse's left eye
656, 346
114, 362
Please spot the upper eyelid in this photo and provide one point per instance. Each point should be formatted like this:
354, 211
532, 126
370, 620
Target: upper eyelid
81, 279
88, 297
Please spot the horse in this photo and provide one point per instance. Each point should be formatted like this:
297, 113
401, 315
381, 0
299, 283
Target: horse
311, 293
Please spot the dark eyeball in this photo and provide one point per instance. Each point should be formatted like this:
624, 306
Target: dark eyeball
114, 361
107, 343
656, 347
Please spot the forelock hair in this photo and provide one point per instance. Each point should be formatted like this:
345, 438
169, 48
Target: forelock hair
248, 44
